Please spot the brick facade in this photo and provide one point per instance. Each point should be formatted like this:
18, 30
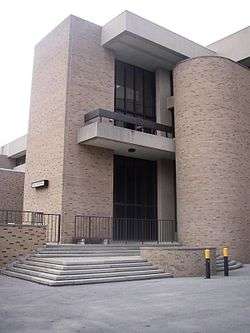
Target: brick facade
88, 171
6, 162
11, 189
212, 98
19, 240
73, 74
45, 141
67, 83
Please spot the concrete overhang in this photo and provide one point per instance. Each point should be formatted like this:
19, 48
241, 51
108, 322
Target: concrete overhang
120, 140
15, 148
141, 42
235, 46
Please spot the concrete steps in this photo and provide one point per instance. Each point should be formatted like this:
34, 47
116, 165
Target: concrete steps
88, 266
87, 251
91, 275
87, 281
83, 254
75, 272
232, 264
84, 264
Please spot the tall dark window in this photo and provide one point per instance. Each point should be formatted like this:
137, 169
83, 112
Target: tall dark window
134, 91
135, 198
134, 188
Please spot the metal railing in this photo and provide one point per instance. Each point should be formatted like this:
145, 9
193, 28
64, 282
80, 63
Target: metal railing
122, 120
95, 229
52, 222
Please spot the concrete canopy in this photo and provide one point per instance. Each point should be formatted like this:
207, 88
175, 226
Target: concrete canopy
143, 43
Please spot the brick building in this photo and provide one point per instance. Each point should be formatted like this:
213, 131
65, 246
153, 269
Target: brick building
139, 125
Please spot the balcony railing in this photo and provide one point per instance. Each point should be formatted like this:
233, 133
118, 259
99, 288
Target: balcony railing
96, 229
122, 120
52, 222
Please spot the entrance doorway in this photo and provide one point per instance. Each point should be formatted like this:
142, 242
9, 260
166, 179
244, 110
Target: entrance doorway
135, 199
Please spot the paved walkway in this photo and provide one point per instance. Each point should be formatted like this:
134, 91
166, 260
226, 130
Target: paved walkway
172, 305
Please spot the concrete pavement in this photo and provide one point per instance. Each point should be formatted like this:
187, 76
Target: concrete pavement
176, 305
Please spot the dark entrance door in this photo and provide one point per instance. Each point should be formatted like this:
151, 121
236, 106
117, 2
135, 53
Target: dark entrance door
135, 199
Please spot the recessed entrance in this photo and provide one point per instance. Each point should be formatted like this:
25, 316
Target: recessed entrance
135, 199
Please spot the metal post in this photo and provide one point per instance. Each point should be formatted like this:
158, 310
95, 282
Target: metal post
89, 227
225, 256
59, 229
75, 240
207, 258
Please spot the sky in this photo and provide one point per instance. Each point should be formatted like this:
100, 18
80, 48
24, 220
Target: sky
24, 22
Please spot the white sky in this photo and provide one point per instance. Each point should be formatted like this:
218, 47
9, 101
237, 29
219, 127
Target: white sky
24, 22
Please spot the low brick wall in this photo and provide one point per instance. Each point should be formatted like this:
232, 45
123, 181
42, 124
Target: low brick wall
19, 240
179, 260
6, 162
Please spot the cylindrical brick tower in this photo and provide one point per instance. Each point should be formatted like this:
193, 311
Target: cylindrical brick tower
212, 119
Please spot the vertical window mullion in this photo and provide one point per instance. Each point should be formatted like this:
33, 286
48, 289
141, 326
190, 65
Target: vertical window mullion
143, 92
134, 90
125, 95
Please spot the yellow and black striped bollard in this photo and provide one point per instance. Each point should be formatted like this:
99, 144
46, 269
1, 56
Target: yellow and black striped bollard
225, 257
207, 258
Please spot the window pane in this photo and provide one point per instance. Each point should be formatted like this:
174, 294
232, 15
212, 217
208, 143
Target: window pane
119, 182
120, 89
138, 91
129, 88
135, 91
149, 95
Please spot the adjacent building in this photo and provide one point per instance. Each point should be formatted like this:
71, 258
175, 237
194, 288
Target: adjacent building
133, 122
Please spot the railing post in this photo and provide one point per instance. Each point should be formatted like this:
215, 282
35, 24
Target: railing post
142, 231
126, 231
89, 227
75, 232
59, 229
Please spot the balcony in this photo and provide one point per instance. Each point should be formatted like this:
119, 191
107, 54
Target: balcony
127, 135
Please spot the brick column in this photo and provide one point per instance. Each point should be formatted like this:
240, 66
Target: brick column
212, 99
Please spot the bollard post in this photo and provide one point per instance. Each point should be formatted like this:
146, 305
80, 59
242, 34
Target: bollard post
207, 258
225, 257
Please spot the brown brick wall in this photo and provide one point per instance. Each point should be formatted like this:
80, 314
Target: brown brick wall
45, 141
72, 75
11, 189
17, 241
6, 162
180, 261
212, 102
88, 171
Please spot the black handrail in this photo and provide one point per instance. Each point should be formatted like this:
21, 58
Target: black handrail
52, 222
144, 123
97, 228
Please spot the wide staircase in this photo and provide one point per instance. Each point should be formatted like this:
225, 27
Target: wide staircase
60, 265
